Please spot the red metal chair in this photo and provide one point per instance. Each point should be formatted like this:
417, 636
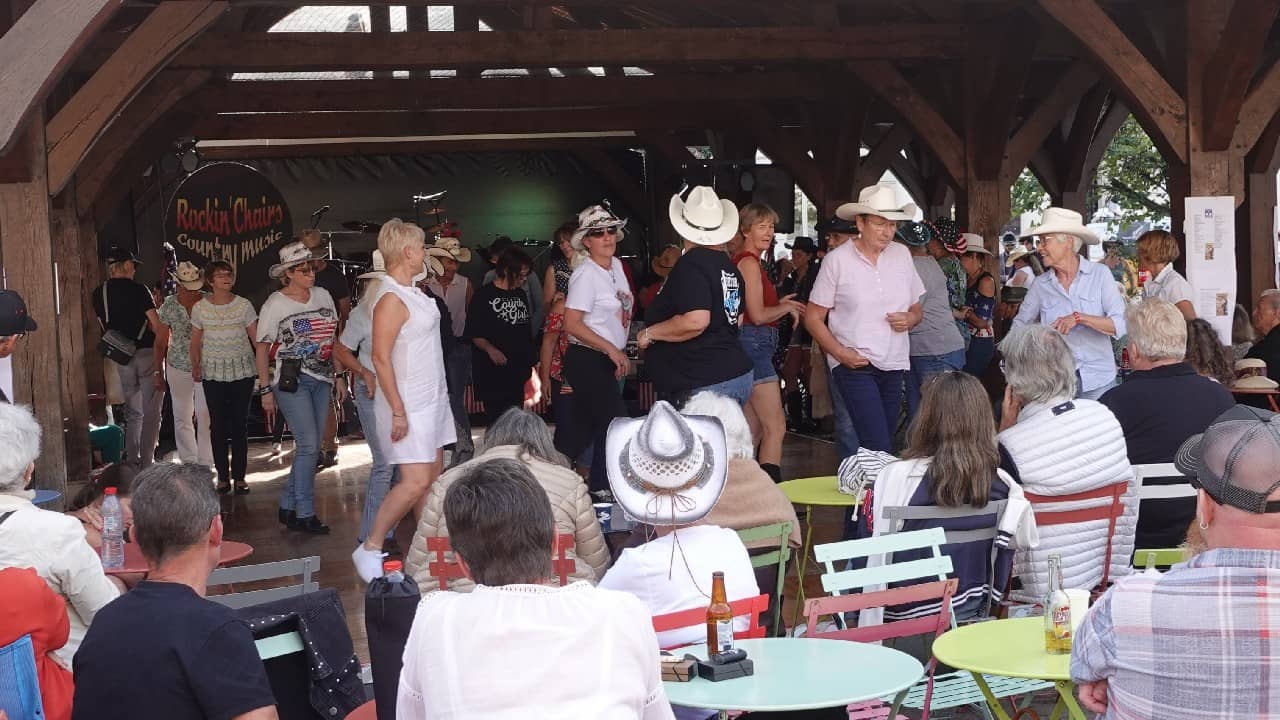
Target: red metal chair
1044, 508
751, 607
444, 567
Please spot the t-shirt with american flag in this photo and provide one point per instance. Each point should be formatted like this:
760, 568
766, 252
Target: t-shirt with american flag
301, 330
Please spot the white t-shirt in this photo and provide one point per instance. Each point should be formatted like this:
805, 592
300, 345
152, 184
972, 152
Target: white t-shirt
642, 571
1169, 285
303, 330
531, 651
605, 297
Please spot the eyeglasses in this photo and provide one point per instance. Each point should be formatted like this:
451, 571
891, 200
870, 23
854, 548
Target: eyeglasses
601, 232
307, 269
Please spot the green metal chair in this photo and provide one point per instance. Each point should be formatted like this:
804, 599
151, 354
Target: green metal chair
780, 532
1157, 558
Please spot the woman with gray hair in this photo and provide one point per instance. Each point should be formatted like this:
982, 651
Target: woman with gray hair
51, 543
1055, 444
518, 435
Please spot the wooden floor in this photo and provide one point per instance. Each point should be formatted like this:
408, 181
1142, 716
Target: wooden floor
340, 501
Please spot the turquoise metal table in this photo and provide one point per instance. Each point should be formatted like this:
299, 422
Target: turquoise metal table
801, 674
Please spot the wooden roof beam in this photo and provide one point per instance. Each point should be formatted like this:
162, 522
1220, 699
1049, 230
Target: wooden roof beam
1260, 106
929, 125
255, 151
1046, 116
882, 155
1231, 68
283, 52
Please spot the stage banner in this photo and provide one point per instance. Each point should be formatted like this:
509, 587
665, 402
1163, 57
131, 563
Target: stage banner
1211, 259
229, 211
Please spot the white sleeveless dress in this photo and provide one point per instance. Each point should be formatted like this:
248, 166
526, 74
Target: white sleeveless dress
418, 361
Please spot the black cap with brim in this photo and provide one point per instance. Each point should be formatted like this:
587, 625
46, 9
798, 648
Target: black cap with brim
837, 225
14, 318
119, 255
1190, 458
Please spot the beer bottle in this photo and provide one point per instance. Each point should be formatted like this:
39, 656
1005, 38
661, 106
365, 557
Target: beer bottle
719, 618
1057, 612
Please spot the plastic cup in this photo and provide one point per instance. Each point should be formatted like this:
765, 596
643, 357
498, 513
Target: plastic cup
604, 515
1079, 606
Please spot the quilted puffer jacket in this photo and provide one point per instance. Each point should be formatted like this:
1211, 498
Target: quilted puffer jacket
1062, 447
570, 504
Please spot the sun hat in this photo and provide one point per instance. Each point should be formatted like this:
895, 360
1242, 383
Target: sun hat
454, 248
705, 218
295, 253
1251, 374
1014, 254
665, 260
881, 200
948, 233
1066, 222
666, 468
1235, 458
596, 217
188, 276
914, 234
973, 243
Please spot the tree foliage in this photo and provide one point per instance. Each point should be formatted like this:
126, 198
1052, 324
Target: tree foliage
1027, 195
1133, 177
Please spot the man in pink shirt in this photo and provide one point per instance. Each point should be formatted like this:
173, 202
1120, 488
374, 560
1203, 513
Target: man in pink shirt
864, 301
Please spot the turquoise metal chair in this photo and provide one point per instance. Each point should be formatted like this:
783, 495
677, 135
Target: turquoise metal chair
19, 686
776, 531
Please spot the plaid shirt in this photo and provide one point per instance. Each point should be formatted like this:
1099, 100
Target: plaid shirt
1199, 641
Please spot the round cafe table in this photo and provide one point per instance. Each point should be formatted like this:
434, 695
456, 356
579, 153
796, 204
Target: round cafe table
134, 563
800, 674
812, 492
1010, 648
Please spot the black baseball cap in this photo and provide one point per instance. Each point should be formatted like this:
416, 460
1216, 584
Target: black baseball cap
1236, 460
118, 255
14, 318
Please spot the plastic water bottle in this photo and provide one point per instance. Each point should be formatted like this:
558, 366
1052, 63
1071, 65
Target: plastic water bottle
393, 571
112, 531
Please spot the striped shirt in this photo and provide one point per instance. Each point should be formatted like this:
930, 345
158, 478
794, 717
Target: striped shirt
1199, 641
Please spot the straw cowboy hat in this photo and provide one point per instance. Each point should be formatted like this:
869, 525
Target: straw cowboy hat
1015, 254
295, 253
1066, 222
188, 276
880, 200
662, 264
596, 217
454, 248
973, 243
666, 468
703, 219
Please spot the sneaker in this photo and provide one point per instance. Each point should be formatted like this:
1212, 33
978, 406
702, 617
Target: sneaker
328, 458
368, 562
310, 525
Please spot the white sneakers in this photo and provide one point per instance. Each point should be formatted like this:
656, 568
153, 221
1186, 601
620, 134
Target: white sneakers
368, 562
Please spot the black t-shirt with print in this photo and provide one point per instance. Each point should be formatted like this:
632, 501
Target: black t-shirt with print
332, 279
502, 317
703, 279
128, 302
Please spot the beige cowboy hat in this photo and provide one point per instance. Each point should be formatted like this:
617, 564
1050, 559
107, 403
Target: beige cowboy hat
705, 218
1015, 254
431, 265
1066, 222
596, 217
973, 243
666, 468
881, 200
454, 248
662, 264
378, 269
188, 276
295, 253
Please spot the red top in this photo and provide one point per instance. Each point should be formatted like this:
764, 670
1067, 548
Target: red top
770, 292
29, 607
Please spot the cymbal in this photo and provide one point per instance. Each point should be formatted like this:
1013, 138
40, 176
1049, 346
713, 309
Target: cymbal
432, 211
362, 226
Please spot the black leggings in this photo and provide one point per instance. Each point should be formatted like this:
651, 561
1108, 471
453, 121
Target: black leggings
229, 425
591, 375
500, 388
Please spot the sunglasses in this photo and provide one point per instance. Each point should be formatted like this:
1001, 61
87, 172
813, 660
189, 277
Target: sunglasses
304, 269
602, 232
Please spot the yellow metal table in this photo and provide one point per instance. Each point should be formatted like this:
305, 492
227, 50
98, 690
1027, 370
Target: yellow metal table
812, 492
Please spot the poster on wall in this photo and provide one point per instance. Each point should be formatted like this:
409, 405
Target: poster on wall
1211, 259
229, 211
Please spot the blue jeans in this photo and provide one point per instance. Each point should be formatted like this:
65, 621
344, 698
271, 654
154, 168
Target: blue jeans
381, 473
873, 398
979, 355
846, 435
305, 410
738, 388
924, 367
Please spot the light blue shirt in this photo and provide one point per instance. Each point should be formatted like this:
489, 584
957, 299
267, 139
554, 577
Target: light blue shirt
1093, 292
358, 332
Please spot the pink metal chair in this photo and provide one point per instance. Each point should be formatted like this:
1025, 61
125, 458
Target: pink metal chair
751, 607
444, 567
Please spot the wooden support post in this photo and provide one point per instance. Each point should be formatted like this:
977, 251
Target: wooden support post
72, 344
1212, 172
380, 22
91, 276
28, 267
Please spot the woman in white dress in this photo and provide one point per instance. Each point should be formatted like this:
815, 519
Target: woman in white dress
412, 403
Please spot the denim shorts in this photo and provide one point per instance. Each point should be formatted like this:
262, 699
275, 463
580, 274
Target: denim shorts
760, 342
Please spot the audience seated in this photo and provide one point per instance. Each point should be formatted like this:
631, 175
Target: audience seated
951, 461
162, 650
1197, 640
1163, 402
514, 646
522, 436
669, 469
49, 542
29, 607
86, 506
1055, 444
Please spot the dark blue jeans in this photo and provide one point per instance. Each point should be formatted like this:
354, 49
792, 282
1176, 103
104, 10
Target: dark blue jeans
924, 367
873, 397
981, 350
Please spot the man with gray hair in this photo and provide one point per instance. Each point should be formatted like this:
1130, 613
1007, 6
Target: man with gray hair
1161, 404
1197, 640
1266, 320
188, 657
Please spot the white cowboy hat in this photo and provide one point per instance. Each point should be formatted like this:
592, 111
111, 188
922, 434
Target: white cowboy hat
1066, 222
666, 468
295, 253
378, 270
703, 219
881, 200
188, 276
1015, 254
596, 217
454, 247
973, 244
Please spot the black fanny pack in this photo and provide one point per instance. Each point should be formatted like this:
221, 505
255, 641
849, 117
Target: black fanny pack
290, 369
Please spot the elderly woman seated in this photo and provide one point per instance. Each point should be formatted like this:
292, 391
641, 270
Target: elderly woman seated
1055, 444
522, 436
51, 543
668, 471
515, 647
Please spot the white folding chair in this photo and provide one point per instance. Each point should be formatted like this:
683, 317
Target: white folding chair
304, 567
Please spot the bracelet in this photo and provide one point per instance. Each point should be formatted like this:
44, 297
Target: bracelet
264, 390
1076, 315
399, 415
